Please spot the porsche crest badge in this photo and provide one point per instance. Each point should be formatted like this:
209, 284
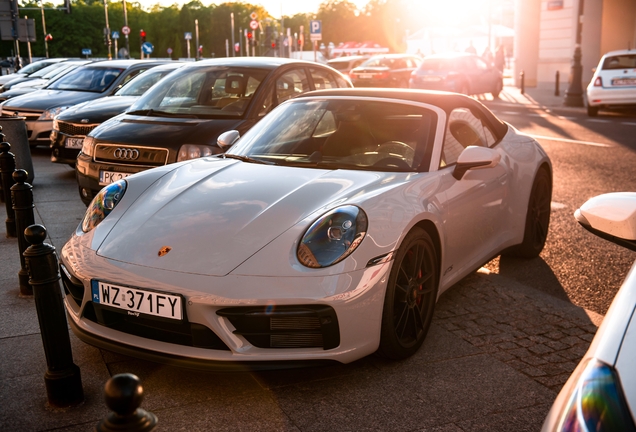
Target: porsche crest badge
164, 250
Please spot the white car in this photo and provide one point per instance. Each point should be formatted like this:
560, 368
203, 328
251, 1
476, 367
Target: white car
326, 232
614, 82
600, 395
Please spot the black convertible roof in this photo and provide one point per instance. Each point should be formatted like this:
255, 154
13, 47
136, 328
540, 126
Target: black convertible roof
444, 100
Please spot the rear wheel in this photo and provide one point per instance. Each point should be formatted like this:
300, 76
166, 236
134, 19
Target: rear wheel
410, 296
497, 90
592, 111
537, 218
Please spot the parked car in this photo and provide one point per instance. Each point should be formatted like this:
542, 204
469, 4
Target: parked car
457, 72
600, 395
346, 63
89, 82
613, 84
311, 56
39, 80
182, 117
385, 70
21, 78
71, 126
326, 232
29, 69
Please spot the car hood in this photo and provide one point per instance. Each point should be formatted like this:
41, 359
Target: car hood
214, 213
44, 99
98, 110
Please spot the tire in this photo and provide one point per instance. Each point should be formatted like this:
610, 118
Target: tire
537, 218
410, 296
592, 111
497, 90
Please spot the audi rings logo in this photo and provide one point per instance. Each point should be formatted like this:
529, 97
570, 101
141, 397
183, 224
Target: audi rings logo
126, 153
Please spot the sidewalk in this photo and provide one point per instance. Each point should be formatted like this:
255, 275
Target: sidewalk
541, 97
496, 355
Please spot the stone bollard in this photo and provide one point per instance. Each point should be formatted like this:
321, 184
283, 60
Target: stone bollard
123, 394
22, 199
556, 84
522, 78
7, 166
62, 377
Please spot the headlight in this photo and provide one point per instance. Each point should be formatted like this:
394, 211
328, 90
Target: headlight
88, 145
597, 402
333, 237
103, 203
50, 113
193, 151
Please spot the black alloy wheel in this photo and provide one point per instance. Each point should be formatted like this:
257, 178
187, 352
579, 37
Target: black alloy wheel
410, 296
537, 217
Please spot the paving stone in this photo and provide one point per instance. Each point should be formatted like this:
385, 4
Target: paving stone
556, 335
533, 371
574, 331
540, 349
508, 345
572, 340
520, 352
503, 356
524, 342
534, 360
556, 345
554, 381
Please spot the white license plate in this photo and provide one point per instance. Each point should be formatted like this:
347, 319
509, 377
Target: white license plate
624, 81
137, 301
108, 177
366, 76
74, 143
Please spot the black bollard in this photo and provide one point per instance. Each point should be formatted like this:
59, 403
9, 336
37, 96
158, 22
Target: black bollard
62, 377
556, 84
522, 77
7, 166
123, 394
22, 199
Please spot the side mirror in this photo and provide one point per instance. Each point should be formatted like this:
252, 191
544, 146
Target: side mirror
227, 139
474, 157
611, 216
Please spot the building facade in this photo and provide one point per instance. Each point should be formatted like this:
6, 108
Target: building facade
546, 36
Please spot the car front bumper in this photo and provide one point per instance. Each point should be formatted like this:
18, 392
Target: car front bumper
356, 299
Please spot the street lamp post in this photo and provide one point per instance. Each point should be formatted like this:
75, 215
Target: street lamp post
574, 93
46, 42
126, 35
107, 31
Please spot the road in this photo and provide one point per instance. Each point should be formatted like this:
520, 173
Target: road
590, 156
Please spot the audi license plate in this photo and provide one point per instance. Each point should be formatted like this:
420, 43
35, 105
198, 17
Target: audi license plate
137, 301
108, 177
74, 143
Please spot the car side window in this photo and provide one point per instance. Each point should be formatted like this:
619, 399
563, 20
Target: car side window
463, 129
291, 84
322, 79
131, 75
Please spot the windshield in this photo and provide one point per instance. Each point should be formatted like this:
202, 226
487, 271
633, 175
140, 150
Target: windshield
88, 79
34, 67
434, 64
142, 82
342, 134
626, 61
202, 92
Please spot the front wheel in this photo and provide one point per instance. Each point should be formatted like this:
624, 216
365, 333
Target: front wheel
537, 218
592, 111
410, 296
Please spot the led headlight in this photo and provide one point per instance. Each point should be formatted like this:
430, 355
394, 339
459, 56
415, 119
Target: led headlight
52, 112
193, 151
597, 402
103, 203
88, 145
333, 237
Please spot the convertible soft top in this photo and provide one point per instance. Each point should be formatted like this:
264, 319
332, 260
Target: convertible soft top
445, 100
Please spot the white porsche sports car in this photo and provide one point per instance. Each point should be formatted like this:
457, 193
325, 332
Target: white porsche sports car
326, 232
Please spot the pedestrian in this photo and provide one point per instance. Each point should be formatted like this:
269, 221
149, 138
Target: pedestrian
487, 56
500, 58
471, 49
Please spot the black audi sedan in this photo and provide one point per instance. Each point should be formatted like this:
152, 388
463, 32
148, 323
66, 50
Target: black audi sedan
93, 81
71, 127
182, 116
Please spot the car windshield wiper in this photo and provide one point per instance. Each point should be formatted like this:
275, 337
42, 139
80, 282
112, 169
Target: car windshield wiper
152, 112
245, 159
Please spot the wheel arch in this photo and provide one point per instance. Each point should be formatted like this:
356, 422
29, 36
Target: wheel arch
431, 229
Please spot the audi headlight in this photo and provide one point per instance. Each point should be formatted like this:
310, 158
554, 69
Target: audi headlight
88, 145
596, 403
333, 237
52, 112
193, 151
103, 203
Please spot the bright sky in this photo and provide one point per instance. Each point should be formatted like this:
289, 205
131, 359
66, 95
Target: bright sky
274, 7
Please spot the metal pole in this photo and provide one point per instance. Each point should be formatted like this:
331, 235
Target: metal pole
232, 22
46, 43
126, 24
7, 167
574, 93
29, 44
196, 35
22, 198
108, 42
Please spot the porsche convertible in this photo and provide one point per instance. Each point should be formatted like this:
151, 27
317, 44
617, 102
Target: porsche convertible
327, 232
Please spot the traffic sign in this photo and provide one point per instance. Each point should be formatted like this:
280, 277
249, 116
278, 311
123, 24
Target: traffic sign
147, 48
86, 51
253, 16
169, 50
253, 24
187, 36
315, 30
115, 35
125, 30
